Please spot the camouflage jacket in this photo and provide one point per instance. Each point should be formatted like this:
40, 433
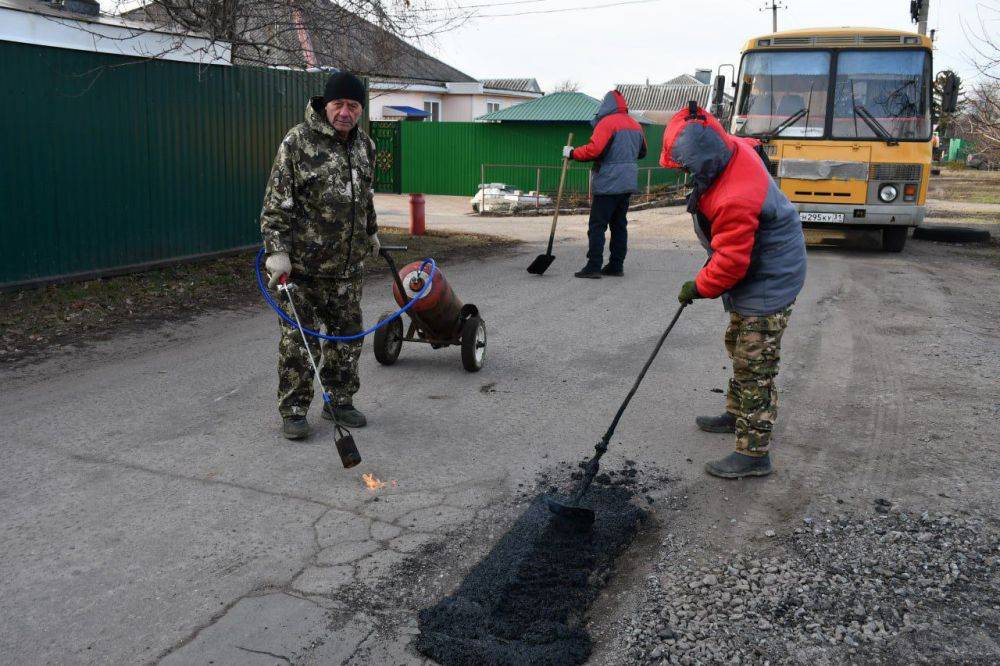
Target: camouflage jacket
319, 204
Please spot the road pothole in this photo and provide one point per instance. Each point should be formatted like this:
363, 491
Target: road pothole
527, 600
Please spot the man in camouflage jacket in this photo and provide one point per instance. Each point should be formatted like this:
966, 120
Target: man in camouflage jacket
318, 223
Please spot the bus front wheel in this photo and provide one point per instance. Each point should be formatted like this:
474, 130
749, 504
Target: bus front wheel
894, 238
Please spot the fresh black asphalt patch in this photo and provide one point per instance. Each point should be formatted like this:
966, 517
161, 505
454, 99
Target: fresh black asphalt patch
526, 601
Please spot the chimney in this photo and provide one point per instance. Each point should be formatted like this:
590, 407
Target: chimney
88, 7
703, 76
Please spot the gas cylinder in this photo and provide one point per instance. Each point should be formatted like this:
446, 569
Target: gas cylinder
439, 311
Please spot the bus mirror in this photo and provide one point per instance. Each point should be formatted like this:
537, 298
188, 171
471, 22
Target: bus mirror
719, 96
949, 92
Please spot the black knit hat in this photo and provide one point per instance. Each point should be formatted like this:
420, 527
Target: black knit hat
344, 85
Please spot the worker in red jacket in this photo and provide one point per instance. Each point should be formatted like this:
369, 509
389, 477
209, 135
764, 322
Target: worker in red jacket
757, 264
615, 145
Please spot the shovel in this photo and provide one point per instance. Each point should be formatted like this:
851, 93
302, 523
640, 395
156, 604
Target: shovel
571, 513
543, 261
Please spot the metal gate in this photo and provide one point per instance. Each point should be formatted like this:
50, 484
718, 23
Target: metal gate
388, 165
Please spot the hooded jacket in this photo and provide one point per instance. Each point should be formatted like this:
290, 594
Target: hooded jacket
752, 232
319, 204
615, 145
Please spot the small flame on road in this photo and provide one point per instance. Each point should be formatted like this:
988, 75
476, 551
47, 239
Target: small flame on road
371, 482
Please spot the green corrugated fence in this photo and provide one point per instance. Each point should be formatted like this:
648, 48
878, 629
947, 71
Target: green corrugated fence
447, 158
108, 162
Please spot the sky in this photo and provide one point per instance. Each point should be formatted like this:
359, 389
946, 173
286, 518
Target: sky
658, 40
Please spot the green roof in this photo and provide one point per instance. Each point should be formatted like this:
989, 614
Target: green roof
560, 107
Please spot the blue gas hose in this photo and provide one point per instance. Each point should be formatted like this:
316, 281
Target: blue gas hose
343, 338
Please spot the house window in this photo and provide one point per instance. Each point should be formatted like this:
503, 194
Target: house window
433, 108
492, 106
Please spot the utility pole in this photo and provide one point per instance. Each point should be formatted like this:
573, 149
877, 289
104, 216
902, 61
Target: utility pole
774, 7
919, 10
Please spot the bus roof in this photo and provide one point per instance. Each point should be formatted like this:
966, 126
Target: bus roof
838, 37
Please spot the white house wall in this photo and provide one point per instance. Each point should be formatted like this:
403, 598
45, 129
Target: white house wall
454, 107
379, 99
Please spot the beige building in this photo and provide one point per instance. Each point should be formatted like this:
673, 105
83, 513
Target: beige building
451, 101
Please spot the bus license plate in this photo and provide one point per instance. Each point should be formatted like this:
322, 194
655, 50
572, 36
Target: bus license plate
821, 217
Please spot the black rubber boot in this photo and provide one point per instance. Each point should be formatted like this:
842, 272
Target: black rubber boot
294, 427
724, 423
613, 271
592, 273
737, 465
345, 415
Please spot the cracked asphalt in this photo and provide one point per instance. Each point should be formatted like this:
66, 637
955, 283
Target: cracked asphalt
151, 512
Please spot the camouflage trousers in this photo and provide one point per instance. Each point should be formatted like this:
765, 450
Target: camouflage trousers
754, 345
332, 307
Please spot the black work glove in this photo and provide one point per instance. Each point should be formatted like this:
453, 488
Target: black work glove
689, 292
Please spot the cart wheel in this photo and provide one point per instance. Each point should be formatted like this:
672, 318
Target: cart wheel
388, 340
473, 344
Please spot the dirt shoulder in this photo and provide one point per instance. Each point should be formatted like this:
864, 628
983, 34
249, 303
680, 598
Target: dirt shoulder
964, 186
36, 321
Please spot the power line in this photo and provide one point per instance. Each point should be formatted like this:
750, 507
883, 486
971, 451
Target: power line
456, 8
566, 9
774, 7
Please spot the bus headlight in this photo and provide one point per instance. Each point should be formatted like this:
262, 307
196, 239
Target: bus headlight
888, 193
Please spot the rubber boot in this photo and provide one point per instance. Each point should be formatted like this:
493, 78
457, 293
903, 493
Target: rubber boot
294, 427
345, 415
613, 271
587, 272
738, 465
724, 423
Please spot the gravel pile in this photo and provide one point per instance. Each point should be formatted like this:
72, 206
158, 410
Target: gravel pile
892, 587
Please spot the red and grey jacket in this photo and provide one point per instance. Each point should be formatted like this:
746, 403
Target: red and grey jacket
615, 145
757, 252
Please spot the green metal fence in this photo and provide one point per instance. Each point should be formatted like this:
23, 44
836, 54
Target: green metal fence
110, 163
449, 158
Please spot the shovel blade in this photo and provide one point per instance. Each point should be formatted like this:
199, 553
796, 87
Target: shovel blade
541, 264
571, 515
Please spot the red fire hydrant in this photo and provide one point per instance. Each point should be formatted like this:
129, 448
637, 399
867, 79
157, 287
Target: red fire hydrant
417, 225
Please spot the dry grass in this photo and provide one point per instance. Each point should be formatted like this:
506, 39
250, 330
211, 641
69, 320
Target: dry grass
966, 185
34, 320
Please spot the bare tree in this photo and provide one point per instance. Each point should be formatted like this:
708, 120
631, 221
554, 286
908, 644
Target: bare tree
980, 118
567, 85
368, 37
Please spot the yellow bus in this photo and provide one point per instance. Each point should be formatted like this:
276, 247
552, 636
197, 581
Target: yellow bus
845, 118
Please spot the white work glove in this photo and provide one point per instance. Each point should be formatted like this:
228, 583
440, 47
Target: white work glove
375, 243
277, 264
568, 152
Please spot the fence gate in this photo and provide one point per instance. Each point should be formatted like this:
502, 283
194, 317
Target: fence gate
386, 135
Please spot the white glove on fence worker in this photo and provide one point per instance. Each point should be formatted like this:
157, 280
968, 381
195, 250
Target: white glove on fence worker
277, 264
375, 243
568, 152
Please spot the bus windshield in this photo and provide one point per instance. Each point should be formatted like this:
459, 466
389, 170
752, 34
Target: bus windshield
784, 91
878, 94
882, 95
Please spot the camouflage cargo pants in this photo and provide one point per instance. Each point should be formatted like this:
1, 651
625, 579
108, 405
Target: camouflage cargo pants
332, 307
754, 345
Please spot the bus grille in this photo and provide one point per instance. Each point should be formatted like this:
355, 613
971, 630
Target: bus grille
895, 172
773, 168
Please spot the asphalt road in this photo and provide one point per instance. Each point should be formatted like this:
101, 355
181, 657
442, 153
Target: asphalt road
152, 512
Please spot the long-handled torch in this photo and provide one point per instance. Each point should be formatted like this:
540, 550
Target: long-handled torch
346, 448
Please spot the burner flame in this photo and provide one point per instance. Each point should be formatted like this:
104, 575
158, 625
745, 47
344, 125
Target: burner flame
372, 483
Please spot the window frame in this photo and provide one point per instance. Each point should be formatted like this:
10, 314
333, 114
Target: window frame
434, 110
